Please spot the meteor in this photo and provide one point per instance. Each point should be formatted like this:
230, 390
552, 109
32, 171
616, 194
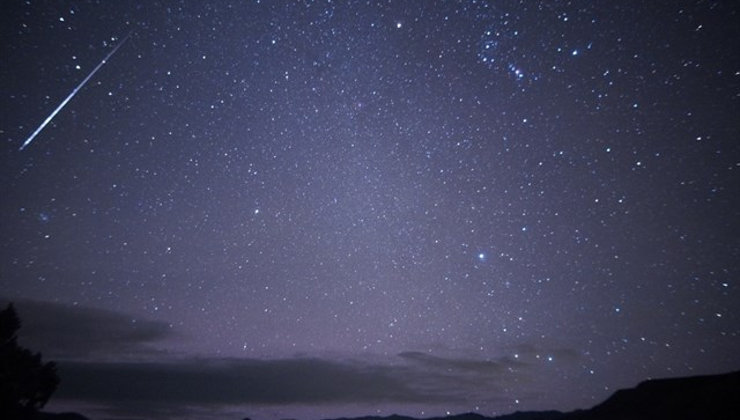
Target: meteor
74, 92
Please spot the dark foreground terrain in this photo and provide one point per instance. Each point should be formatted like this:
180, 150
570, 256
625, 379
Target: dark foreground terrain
715, 397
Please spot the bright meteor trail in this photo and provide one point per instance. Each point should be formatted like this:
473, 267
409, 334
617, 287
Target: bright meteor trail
74, 92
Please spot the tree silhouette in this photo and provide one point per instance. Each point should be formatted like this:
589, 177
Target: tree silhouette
26, 383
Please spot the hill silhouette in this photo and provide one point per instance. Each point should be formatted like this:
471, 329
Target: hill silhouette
699, 397
58, 416
714, 397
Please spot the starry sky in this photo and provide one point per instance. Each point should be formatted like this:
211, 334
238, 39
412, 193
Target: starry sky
325, 208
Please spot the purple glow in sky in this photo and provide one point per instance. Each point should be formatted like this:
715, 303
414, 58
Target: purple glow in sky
322, 208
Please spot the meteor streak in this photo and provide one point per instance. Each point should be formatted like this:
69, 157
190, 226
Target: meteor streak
74, 92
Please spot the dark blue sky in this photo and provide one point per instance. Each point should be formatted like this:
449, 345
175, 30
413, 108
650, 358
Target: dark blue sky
313, 209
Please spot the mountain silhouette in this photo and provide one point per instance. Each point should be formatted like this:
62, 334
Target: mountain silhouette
699, 397
715, 397
520, 415
59, 416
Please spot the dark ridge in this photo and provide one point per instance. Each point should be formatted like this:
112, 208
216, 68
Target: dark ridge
715, 397
40, 415
533, 415
59, 416
699, 397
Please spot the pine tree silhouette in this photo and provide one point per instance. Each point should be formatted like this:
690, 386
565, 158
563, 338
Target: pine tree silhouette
26, 383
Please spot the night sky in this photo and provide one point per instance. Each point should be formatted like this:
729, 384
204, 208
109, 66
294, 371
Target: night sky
312, 208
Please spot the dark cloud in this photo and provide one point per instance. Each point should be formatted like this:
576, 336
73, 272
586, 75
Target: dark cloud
464, 365
106, 360
419, 378
463, 378
77, 332
289, 381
